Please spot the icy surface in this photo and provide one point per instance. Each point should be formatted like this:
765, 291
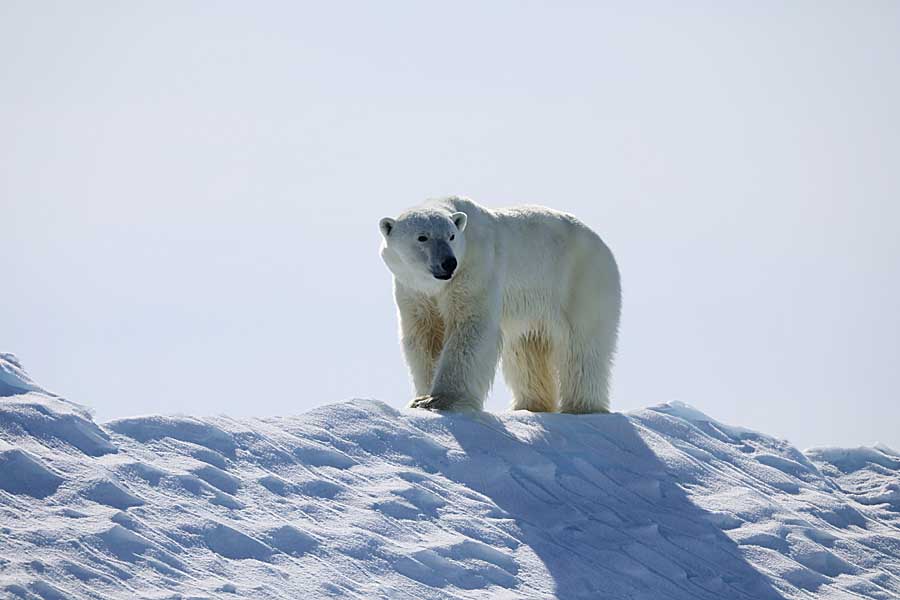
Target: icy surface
361, 500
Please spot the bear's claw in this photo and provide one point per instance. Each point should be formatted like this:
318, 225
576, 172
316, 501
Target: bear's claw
431, 402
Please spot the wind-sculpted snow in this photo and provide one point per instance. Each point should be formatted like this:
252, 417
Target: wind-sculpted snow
26, 409
13, 378
361, 500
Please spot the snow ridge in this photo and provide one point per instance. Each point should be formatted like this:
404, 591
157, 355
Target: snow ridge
360, 500
13, 378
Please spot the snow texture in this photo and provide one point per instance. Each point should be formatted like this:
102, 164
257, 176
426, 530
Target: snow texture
13, 378
360, 500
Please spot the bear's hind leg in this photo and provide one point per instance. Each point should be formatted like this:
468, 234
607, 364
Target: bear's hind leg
529, 371
584, 375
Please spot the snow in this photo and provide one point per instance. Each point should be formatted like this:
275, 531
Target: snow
13, 378
361, 500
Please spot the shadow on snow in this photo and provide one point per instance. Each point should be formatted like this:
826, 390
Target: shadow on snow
599, 508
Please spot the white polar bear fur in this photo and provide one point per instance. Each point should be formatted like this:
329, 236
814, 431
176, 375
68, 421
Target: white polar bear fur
533, 285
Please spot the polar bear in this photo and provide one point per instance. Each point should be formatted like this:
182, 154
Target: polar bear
529, 284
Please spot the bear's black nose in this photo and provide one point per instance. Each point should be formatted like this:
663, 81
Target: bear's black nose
448, 265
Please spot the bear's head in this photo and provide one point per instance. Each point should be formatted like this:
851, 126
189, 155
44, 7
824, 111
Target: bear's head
424, 248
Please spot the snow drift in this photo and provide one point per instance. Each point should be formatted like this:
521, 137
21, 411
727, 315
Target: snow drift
364, 501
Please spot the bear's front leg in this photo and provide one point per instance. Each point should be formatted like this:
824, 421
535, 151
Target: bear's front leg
421, 335
467, 364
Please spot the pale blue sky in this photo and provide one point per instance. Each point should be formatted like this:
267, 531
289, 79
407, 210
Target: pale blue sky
190, 194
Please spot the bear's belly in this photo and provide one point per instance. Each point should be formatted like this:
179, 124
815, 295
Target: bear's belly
525, 311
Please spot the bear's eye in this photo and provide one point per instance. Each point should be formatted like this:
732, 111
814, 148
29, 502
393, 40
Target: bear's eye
422, 238
453, 235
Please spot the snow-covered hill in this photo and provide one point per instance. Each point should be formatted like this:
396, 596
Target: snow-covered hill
360, 500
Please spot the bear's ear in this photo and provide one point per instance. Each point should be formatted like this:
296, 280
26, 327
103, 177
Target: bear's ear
460, 219
386, 225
